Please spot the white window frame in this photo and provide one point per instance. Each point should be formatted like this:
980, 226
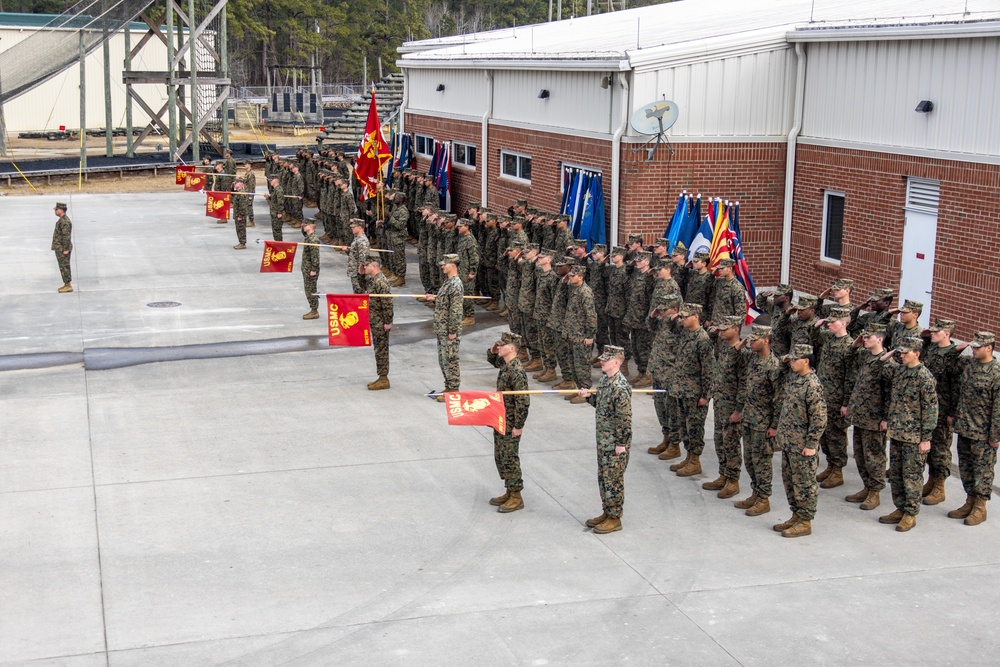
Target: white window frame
822, 239
426, 138
466, 146
520, 156
571, 165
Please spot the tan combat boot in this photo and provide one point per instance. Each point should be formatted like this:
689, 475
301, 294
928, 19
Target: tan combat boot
746, 503
534, 365
825, 473
715, 484
800, 529
895, 517
381, 383
505, 312
672, 451
500, 500
645, 380
908, 521
548, 375
978, 513
731, 488
311, 315
565, 384
65, 288
762, 506
963, 511
693, 467
677, 466
785, 525
608, 526
597, 520
577, 400
240, 246
936, 494
834, 479
873, 500
513, 503
657, 449
522, 354
858, 497
928, 485
468, 321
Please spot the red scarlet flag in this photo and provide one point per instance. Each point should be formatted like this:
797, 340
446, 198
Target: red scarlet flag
180, 173
347, 319
194, 182
476, 408
373, 153
279, 257
217, 205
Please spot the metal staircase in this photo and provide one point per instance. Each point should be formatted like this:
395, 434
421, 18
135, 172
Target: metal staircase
350, 127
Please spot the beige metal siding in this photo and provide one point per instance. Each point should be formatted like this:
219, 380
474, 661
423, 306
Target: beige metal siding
464, 91
576, 99
867, 93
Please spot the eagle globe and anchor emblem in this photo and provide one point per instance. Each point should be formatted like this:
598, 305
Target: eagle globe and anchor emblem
348, 320
476, 404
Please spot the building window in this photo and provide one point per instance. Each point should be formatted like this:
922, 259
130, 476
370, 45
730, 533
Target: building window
423, 145
514, 165
463, 154
833, 226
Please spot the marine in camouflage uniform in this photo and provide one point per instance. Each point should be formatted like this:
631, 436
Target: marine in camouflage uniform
725, 393
913, 415
357, 255
380, 314
977, 422
491, 249
597, 278
249, 186
640, 292
526, 306
468, 266
546, 283
448, 323
62, 245
662, 355
800, 426
941, 359
557, 325
867, 412
907, 325
776, 305
618, 285
276, 205
682, 272
241, 206
837, 371
694, 373
880, 301
395, 236
513, 290
728, 295
293, 199
613, 399
700, 283
759, 404
580, 328
802, 328
506, 445
310, 269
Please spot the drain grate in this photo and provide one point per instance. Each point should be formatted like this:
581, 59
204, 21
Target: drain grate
164, 304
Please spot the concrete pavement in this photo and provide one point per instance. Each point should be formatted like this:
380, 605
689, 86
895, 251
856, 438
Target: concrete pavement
210, 484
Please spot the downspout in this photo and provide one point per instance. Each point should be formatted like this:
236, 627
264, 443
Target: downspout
406, 99
484, 160
786, 221
616, 159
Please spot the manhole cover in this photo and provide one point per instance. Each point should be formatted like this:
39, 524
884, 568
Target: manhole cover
164, 304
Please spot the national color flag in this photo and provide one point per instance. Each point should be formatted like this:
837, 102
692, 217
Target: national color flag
217, 205
347, 319
180, 173
741, 267
702, 240
441, 171
476, 408
720, 236
194, 182
673, 230
279, 257
592, 218
373, 153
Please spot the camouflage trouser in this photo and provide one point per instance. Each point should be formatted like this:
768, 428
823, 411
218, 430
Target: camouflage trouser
505, 453
329, 226
310, 285
469, 289
564, 353
976, 461
642, 342
676, 434
580, 358
619, 334
448, 360
276, 227
798, 472
293, 210
758, 453
603, 334
546, 344
833, 442
241, 230
693, 419
359, 283
63, 262
425, 271
492, 283
661, 404
380, 342
611, 480
513, 320
529, 330
727, 440
906, 475
250, 211
397, 258
869, 455
939, 458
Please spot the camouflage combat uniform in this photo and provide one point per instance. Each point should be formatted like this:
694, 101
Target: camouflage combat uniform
866, 411
943, 364
640, 291
781, 325
699, 289
468, 257
800, 426
837, 371
380, 313
448, 321
526, 306
662, 356
62, 244
395, 236
546, 283
759, 402
310, 264
613, 400
241, 215
694, 373
617, 304
977, 423
729, 370
580, 324
912, 417
506, 446
276, 204
356, 256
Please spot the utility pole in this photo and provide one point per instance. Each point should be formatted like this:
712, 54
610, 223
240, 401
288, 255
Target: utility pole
83, 102
171, 82
109, 148
129, 147
224, 58
193, 68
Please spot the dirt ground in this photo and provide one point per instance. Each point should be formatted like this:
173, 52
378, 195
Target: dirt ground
101, 184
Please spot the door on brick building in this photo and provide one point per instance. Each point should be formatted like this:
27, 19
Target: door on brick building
916, 277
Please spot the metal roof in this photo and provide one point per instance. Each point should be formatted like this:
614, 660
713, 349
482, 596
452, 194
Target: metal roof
620, 40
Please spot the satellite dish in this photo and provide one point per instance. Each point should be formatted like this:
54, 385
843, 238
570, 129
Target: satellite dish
654, 119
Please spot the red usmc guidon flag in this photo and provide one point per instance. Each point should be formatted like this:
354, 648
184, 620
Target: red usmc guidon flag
217, 205
194, 182
347, 319
279, 257
476, 408
180, 173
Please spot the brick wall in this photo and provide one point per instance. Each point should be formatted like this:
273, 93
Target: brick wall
465, 182
751, 173
967, 255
